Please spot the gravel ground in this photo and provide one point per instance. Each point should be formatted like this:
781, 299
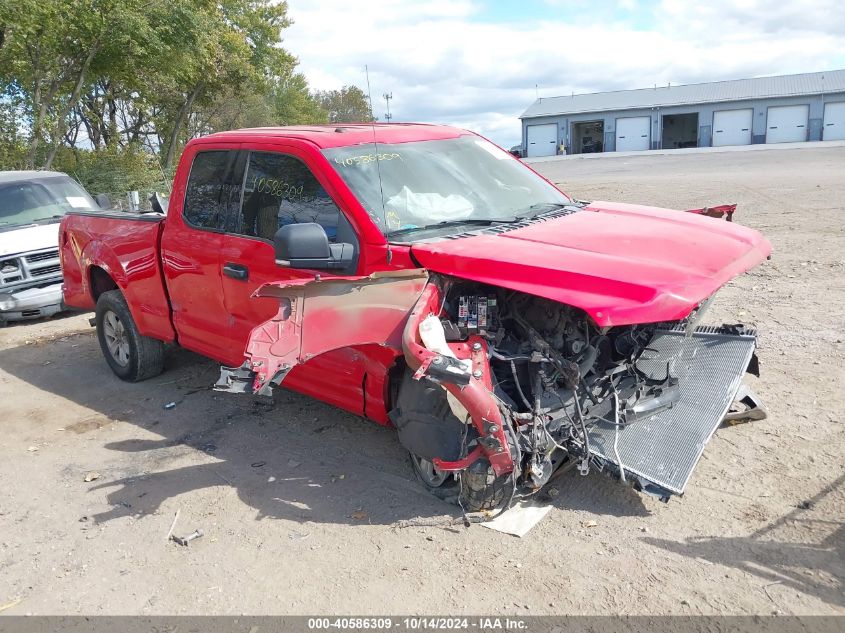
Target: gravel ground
307, 509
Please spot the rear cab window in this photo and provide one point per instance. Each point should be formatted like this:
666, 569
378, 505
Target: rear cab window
214, 188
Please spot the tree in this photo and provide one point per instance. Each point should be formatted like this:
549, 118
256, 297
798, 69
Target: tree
293, 104
347, 105
47, 51
231, 48
108, 84
53, 48
12, 143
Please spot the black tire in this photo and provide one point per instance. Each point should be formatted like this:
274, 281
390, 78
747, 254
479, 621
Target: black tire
482, 490
479, 489
131, 356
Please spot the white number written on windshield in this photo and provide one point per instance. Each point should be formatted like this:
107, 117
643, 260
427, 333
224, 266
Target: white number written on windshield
364, 159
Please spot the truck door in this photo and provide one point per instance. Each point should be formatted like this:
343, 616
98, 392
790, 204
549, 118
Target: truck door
191, 245
280, 188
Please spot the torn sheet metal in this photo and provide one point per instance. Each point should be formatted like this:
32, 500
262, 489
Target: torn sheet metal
473, 391
720, 211
434, 338
341, 312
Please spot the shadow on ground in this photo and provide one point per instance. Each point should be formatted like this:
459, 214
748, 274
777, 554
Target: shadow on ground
298, 459
812, 563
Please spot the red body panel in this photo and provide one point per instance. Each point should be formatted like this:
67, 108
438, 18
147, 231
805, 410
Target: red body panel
372, 310
341, 135
192, 269
620, 263
128, 250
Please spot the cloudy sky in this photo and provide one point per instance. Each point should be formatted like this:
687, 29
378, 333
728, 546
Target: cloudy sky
480, 63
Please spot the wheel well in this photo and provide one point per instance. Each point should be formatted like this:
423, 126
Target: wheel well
100, 282
395, 376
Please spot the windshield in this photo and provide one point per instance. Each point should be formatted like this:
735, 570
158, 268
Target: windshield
464, 180
40, 200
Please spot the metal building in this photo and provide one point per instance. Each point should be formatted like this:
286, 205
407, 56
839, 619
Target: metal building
783, 109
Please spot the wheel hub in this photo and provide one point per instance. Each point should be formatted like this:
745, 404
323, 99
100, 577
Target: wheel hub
430, 475
117, 340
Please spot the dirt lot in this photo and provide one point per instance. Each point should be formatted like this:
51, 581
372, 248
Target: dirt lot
303, 506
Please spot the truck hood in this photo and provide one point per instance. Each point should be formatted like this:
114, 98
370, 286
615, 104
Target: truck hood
28, 238
622, 264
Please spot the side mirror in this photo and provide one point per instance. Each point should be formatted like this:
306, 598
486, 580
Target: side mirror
102, 201
307, 246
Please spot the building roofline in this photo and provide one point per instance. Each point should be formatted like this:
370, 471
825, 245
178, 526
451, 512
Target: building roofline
670, 87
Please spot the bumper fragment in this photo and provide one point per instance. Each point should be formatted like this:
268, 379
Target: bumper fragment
236, 380
31, 303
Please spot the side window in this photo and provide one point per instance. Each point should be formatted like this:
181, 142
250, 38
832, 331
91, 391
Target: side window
213, 187
281, 190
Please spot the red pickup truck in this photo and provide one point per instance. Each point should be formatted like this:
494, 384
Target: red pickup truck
424, 278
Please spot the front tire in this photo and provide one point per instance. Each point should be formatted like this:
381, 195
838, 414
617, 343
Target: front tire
482, 490
428, 474
479, 489
129, 354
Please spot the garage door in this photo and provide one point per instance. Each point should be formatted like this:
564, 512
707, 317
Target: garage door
542, 140
787, 124
732, 127
633, 133
834, 122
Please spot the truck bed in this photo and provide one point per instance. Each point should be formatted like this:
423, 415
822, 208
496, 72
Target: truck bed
126, 247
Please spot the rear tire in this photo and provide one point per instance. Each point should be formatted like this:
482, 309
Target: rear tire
129, 354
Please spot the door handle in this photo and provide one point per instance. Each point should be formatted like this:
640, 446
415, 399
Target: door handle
236, 271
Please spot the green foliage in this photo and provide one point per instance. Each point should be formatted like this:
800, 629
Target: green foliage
294, 105
12, 142
347, 105
113, 171
108, 89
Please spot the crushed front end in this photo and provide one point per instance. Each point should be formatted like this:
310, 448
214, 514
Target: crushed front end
540, 386
502, 390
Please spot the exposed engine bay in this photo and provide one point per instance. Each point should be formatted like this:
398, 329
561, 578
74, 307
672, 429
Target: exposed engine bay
559, 374
571, 394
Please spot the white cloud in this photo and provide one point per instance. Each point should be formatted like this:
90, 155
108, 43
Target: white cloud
443, 62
